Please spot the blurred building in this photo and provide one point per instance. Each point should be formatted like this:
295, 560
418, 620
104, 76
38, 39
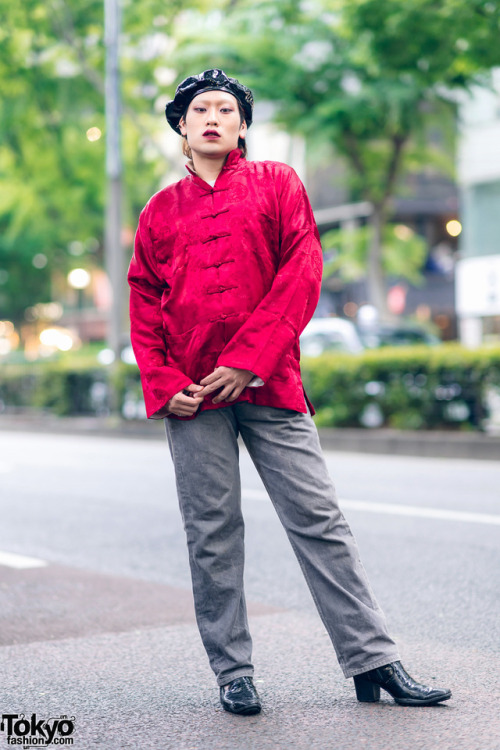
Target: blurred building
478, 270
427, 204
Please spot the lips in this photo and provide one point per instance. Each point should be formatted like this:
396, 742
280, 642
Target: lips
211, 134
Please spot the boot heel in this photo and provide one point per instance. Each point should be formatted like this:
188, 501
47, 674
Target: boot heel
366, 692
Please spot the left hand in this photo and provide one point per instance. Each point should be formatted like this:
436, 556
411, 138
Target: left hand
230, 379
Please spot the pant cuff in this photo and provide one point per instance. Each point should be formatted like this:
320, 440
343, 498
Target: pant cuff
227, 678
380, 662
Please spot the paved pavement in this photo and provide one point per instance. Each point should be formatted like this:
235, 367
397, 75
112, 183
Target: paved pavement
98, 625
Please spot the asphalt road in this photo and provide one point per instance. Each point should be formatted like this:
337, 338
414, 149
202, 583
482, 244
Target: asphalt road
98, 625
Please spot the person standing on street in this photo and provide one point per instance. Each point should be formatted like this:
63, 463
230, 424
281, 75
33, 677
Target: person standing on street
226, 273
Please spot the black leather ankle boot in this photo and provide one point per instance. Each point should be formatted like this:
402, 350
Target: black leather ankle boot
397, 682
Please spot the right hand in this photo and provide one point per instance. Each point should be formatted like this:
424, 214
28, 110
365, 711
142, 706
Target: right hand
184, 405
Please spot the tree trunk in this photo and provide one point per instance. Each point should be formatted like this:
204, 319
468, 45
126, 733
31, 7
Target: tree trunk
377, 293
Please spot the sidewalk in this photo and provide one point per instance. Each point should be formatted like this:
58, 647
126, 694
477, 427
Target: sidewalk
429, 444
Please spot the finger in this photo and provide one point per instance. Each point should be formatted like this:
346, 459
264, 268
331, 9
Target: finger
186, 402
210, 378
183, 411
211, 388
235, 394
222, 396
197, 397
191, 405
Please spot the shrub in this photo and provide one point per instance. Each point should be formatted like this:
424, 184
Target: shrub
443, 387
60, 388
408, 388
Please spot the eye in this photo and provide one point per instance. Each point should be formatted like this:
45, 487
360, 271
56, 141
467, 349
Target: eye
199, 109
226, 109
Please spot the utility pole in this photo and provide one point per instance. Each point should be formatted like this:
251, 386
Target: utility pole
113, 241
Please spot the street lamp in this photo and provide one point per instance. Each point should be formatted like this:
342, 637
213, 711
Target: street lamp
79, 279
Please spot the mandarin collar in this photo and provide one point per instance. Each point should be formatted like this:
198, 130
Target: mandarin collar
234, 158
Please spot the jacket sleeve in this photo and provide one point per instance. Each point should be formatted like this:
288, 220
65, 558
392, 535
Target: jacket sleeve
159, 381
281, 316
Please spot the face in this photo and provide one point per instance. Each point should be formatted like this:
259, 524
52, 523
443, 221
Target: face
213, 124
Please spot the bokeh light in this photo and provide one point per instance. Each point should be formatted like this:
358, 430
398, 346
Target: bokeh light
57, 338
453, 228
39, 260
9, 339
79, 278
350, 309
6, 328
93, 134
403, 232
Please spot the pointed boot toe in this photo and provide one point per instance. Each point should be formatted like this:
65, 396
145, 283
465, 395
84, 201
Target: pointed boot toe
395, 680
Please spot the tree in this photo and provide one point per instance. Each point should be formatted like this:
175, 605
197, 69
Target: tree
347, 251
363, 75
52, 176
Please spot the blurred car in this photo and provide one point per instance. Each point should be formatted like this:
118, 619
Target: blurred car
330, 335
401, 334
337, 334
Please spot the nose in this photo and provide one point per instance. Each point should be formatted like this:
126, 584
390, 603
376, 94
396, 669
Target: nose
212, 116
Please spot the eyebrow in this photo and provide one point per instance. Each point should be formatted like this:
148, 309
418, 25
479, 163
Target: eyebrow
222, 100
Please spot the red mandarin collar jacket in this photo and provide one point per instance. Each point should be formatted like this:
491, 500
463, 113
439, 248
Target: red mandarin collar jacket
225, 275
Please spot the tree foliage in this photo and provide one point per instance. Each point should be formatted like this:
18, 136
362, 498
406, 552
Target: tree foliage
346, 252
53, 185
363, 75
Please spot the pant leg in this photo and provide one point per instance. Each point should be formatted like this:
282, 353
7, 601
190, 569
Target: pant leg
206, 460
284, 446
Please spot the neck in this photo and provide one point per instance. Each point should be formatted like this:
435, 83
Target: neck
208, 168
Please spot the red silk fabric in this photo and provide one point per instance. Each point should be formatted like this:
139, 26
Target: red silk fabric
225, 275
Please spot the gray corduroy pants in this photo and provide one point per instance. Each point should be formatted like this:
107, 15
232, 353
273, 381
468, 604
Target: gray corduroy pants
285, 449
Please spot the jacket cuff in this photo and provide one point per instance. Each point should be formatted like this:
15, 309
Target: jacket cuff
259, 347
159, 386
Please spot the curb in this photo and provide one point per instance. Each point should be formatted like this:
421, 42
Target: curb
426, 444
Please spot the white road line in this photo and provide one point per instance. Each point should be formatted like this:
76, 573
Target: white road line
416, 512
254, 494
412, 511
21, 562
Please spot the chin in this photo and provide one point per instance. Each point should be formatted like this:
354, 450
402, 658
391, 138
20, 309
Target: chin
213, 149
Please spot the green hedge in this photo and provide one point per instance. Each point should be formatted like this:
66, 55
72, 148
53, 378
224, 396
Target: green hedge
406, 388
411, 388
59, 388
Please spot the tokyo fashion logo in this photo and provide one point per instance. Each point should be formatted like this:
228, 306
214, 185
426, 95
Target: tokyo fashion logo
35, 732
